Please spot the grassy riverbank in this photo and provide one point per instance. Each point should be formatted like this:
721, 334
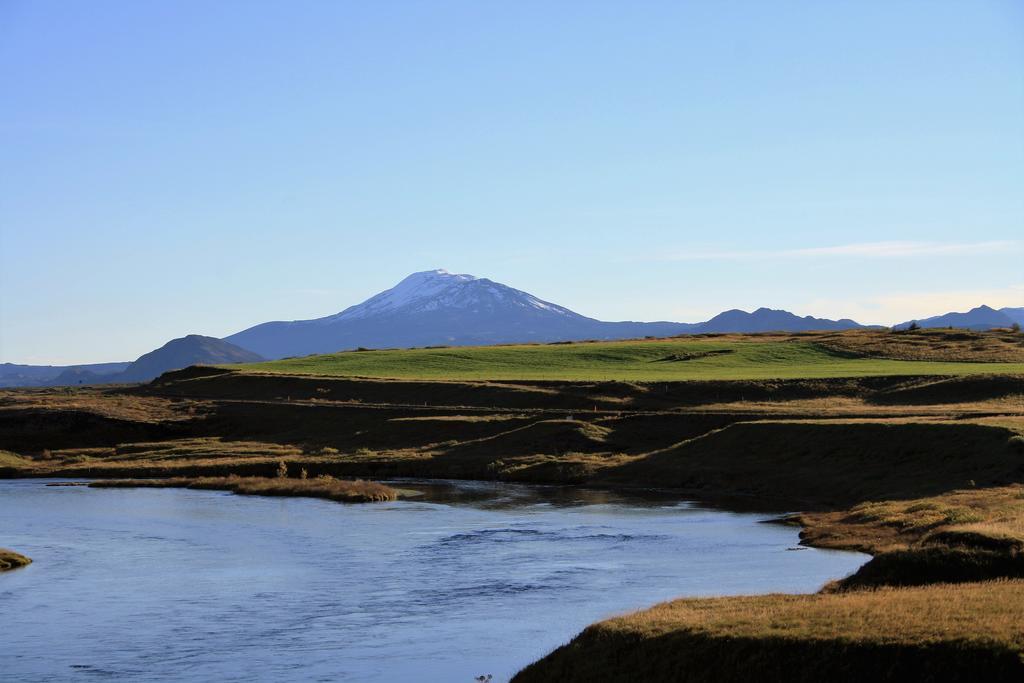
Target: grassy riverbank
969, 632
940, 600
12, 560
323, 486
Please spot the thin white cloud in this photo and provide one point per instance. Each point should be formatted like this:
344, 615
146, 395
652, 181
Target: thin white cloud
873, 250
898, 307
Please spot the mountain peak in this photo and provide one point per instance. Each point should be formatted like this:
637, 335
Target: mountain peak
436, 275
426, 282
415, 290
435, 307
428, 307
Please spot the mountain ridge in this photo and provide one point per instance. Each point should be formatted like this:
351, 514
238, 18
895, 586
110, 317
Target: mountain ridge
978, 318
178, 353
771, 320
22, 375
436, 307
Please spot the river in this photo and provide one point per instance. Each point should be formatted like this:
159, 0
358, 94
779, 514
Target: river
467, 579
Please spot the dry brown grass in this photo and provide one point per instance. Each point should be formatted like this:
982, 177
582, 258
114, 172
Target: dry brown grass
106, 402
12, 560
967, 632
491, 417
1010, 409
204, 448
988, 612
878, 527
13, 460
1008, 527
357, 491
1009, 420
168, 455
808, 463
933, 344
960, 536
996, 346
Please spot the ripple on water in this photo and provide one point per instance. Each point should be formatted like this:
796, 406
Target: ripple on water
165, 585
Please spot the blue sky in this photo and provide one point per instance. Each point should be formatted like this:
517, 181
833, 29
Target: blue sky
195, 167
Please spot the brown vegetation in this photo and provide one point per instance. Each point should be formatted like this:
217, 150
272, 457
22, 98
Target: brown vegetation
957, 518
966, 535
12, 560
995, 346
323, 486
968, 632
116, 404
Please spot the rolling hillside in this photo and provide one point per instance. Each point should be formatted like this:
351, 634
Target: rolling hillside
733, 357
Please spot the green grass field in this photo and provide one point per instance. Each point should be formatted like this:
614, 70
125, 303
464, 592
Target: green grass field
656, 360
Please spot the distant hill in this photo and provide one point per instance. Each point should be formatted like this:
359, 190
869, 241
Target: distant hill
73, 376
13, 375
980, 318
1014, 314
770, 320
179, 353
440, 308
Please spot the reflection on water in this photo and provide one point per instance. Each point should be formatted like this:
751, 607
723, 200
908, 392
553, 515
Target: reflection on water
492, 495
466, 579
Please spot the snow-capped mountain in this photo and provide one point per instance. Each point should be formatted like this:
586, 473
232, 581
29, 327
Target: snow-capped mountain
433, 308
436, 307
433, 290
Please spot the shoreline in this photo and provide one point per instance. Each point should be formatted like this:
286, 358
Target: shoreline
819, 530
323, 487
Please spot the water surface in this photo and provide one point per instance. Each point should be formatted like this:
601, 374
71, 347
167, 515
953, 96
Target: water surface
471, 578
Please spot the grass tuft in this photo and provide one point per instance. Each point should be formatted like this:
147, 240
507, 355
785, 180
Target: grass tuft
12, 560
